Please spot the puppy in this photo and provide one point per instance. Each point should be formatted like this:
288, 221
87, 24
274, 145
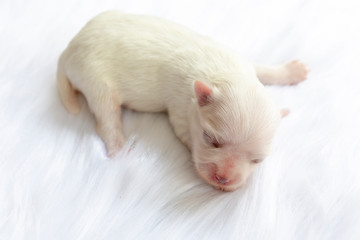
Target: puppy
215, 100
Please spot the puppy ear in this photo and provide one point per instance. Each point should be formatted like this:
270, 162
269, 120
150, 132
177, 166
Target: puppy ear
284, 112
203, 93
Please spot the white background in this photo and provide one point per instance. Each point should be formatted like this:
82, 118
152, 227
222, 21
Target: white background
56, 182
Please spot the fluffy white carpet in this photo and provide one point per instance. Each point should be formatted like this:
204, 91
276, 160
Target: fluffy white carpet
56, 182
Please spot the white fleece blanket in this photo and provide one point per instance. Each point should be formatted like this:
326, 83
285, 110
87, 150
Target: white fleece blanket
57, 183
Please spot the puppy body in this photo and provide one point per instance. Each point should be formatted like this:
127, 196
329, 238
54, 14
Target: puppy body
215, 101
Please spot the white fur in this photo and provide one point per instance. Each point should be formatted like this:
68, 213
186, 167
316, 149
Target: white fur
56, 183
149, 64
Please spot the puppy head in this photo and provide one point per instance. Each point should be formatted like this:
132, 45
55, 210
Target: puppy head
232, 129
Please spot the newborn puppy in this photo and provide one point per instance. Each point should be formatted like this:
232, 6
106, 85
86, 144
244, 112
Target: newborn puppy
216, 101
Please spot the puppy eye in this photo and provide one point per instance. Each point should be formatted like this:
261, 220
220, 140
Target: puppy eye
256, 161
212, 141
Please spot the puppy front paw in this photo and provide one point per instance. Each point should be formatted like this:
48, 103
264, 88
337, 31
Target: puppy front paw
296, 72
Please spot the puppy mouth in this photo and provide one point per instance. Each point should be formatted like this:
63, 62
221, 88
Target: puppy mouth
207, 171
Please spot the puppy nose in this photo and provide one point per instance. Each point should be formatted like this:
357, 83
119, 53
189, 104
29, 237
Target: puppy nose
221, 180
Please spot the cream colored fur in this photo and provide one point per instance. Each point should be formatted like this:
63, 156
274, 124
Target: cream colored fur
215, 101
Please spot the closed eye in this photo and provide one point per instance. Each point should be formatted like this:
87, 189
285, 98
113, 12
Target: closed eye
211, 140
256, 161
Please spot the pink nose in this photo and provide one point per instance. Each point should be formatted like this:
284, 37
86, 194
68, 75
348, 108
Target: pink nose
221, 180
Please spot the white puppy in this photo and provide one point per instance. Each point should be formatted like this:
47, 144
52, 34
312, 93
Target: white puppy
215, 101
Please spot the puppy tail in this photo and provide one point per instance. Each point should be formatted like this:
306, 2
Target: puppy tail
68, 94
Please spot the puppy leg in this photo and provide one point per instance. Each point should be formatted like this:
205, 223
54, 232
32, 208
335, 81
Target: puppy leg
290, 73
180, 127
107, 111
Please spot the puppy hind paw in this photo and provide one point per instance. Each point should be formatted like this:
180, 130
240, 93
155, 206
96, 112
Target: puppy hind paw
114, 147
